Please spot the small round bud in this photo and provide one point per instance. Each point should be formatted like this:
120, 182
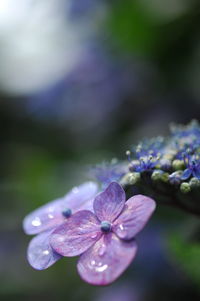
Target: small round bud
156, 175
194, 183
133, 178
165, 177
165, 164
185, 187
67, 212
106, 226
178, 164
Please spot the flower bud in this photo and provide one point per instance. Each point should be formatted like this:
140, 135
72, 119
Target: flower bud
194, 183
185, 187
134, 177
156, 175
178, 164
165, 177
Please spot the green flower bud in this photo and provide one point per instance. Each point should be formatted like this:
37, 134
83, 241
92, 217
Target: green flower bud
165, 177
178, 164
130, 178
185, 187
156, 175
194, 183
133, 178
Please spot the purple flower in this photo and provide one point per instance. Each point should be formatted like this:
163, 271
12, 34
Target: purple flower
108, 172
193, 167
47, 218
105, 238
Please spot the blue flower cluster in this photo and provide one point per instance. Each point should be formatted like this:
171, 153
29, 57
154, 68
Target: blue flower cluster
174, 159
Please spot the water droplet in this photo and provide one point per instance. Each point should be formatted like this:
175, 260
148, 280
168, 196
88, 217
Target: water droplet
121, 227
51, 209
45, 252
36, 222
50, 216
94, 235
121, 231
102, 250
75, 190
93, 262
101, 268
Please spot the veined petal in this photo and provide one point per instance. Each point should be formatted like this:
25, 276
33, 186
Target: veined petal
137, 211
106, 260
109, 204
40, 254
50, 215
77, 234
186, 174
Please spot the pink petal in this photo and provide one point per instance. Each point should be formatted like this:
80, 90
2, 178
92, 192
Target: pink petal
40, 255
106, 260
109, 204
50, 215
134, 217
77, 234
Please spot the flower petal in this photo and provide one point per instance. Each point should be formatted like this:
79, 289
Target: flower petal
186, 174
134, 217
81, 197
50, 215
196, 174
77, 234
40, 254
106, 260
109, 204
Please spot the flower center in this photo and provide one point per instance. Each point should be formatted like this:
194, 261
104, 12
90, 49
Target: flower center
67, 212
106, 226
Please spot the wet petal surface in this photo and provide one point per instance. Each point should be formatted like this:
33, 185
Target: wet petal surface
50, 215
138, 209
40, 255
109, 204
106, 260
77, 234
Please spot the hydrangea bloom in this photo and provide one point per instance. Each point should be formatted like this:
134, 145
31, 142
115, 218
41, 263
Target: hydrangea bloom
178, 155
47, 218
105, 238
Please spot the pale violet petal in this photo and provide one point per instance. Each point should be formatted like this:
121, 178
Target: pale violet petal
106, 260
77, 234
137, 211
50, 215
109, 203
40, 254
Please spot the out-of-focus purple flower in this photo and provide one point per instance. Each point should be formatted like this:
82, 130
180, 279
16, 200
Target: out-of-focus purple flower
193, 167
90, 95
105, 238
108, 172
47, 218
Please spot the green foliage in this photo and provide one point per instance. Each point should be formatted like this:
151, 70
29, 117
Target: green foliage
187, 255
132, 27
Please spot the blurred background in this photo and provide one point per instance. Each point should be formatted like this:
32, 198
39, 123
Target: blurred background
80, 81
